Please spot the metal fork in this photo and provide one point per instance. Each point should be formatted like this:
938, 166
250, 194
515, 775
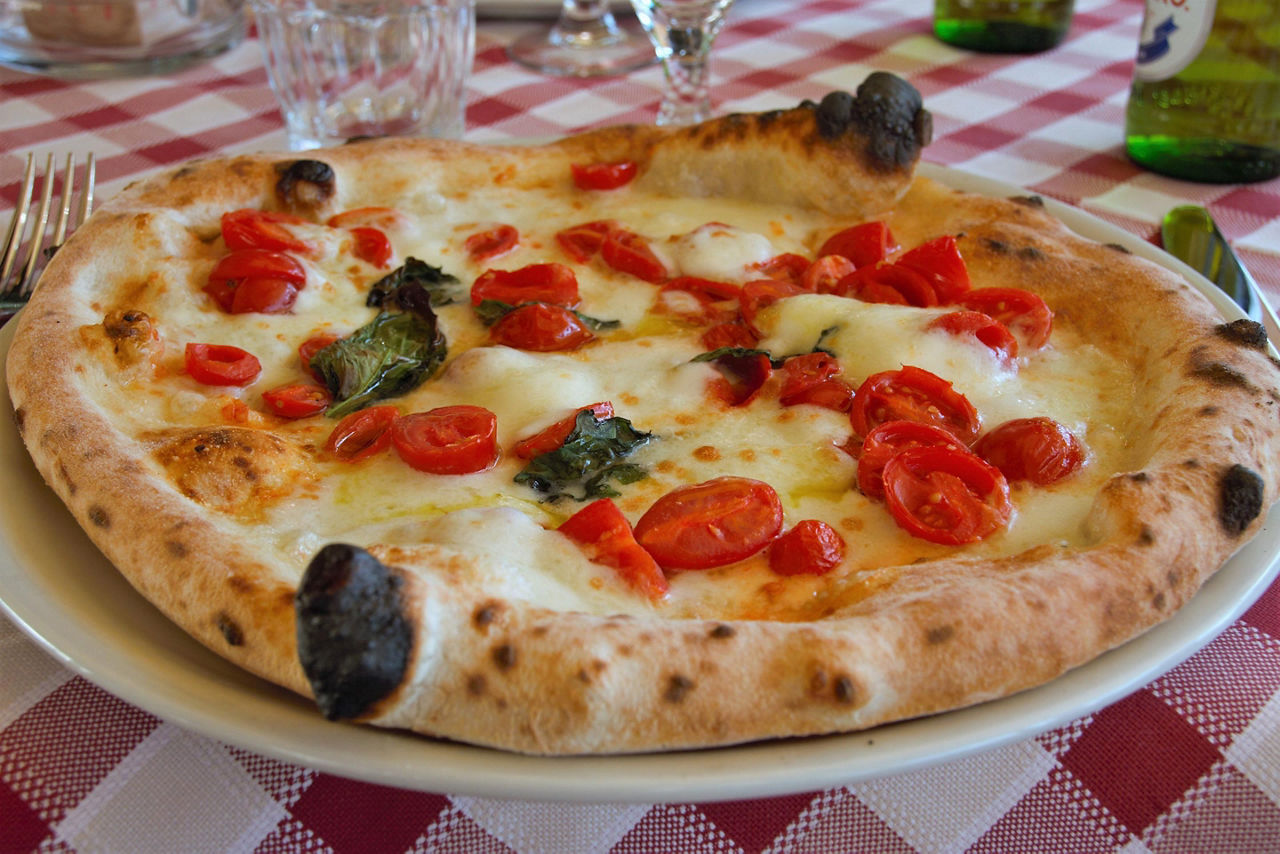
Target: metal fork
17, 281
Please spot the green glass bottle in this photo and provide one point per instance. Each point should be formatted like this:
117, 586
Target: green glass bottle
1205, 102
1002, 26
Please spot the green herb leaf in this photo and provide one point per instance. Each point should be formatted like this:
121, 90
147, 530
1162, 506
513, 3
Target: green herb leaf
389, 356
442, 287
735, 353
590, 457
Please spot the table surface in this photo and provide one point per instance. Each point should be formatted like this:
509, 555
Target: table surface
1189, 762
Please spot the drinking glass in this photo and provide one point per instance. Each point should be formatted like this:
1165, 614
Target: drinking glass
586, 41
683, 32
343, 69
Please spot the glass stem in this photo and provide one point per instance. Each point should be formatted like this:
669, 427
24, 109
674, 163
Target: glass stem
586, 23
688, 98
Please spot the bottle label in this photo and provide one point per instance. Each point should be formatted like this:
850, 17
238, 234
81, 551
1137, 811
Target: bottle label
1173, 33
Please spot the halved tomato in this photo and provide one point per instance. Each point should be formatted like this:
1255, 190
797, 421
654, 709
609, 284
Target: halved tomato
892, 438
550, 283
946, 496
603, 176
983, 327
254, 229
913, 394
1037, 449
362, 434
553, 437
297, 401
1026, 314
941, 264
492, 242
542, 328
583, 242
628, 252
606, 536
221, 364
459, 439
811, 547
825, 274
371, 244
863, 244
710, 524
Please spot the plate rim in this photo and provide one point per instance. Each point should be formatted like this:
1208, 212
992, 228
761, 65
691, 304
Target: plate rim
752, 770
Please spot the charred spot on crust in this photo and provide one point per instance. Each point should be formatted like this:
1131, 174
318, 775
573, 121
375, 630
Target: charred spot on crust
940, 634
175, 548
230, 629
20, 418
504, 656
1029, 201
1119, 247
844, 689
888, 110
1146, 536
484, 615
1241, 493
721, 631
99, 516
997, 246
1031, 253
1218, 374
1139, 477
354, 640
1247, 333
678, 687
305, 184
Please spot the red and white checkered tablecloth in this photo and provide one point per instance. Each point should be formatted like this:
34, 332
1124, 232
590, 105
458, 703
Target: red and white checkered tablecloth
1187, 763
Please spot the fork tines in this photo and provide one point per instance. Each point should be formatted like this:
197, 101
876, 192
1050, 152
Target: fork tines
27, 232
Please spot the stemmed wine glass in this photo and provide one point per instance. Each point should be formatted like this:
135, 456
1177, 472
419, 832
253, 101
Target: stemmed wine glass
683, 31
585, 41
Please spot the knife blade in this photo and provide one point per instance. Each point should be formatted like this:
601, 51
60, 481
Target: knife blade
1189, 234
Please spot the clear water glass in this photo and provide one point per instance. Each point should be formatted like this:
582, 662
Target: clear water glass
360, 68
683, 32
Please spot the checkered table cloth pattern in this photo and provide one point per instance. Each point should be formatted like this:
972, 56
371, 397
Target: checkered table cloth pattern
1188, 763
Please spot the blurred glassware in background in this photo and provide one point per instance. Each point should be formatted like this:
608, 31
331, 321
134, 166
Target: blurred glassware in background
585, 41
683, 32
1205, 102
108, 38
344, 69
1002, 26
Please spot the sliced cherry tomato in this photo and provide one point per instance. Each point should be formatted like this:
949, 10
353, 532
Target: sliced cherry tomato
254, 229
946, 496
741, 377
983, 327
913, 394
603, 176
448, 440
811, 547
628, 252
712, 303
362, 434
863, 244
244, 263
550, 283
889, 283
825, 275
307, 349
221, 364
1036, 449
811, 378
1026, 314
583, 242
890, 439
939, 261
492, 242
374, 217
297, 401
760, 293
731, 334
263, 296
542, 328
551, 438
709, 524
606, 536
789, 267
371, 245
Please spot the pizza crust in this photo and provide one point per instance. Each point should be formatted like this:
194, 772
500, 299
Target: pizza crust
895, 642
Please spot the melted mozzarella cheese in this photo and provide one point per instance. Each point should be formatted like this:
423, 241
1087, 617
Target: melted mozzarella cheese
720, 252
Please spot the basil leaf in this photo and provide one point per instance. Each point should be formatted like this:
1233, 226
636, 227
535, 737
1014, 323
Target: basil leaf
442, 287
591, 456
735, 353
389, 356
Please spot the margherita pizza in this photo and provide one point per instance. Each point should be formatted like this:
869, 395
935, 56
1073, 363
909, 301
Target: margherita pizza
643, 439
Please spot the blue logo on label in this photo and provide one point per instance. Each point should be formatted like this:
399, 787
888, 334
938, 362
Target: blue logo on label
1159, 44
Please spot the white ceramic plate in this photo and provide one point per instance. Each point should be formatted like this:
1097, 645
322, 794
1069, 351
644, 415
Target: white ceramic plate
67, 597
